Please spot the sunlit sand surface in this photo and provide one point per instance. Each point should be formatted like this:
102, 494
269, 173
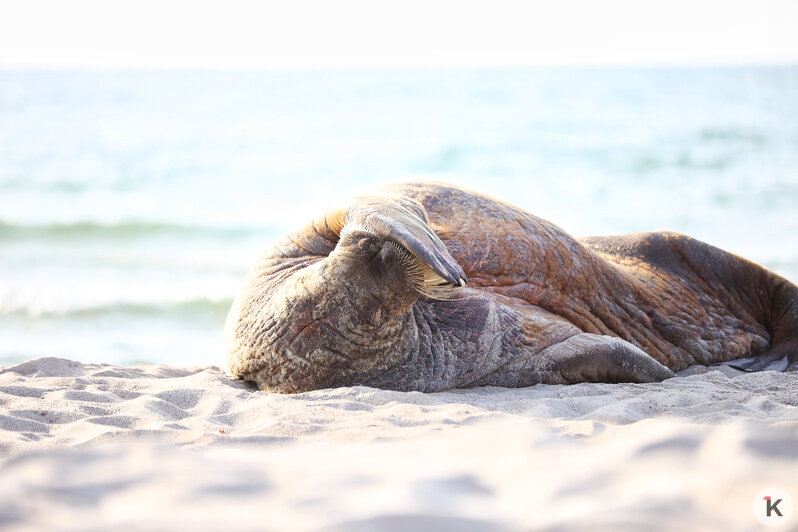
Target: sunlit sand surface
102, 447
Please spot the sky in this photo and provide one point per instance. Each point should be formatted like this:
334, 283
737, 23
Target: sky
42, 34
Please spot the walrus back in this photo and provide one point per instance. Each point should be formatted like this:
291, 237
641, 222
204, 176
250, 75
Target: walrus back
752, 294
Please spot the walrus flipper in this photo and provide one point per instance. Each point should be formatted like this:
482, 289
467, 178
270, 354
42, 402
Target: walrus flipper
403, 222
780, 358
596, 358
760, 363
782, 321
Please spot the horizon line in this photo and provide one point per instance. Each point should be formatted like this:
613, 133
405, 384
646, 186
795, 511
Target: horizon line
664, 65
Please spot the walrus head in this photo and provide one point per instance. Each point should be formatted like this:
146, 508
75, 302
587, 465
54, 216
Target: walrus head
309, 322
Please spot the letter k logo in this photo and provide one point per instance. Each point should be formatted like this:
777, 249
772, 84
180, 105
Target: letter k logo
772, 506
777, 507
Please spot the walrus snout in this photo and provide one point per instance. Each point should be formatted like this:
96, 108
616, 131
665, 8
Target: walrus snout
404, 223
407, 248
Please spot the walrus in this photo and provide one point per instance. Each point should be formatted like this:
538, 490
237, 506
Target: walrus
426, 286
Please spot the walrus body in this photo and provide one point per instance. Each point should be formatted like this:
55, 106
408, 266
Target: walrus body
425, 286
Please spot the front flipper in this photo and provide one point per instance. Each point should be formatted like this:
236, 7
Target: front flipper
594, 358
402, 222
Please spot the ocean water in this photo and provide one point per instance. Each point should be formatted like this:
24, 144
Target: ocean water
133, 203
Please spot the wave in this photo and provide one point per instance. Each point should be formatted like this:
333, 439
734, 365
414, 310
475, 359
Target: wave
121, 230
195, 308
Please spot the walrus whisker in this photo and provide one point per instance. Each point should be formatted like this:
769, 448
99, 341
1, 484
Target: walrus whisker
425, 280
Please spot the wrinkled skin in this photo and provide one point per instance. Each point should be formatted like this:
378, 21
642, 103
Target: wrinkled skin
339, 302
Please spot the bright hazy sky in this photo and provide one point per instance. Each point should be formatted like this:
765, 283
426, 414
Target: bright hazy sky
356, 33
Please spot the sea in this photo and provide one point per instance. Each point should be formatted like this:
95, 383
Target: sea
132, 203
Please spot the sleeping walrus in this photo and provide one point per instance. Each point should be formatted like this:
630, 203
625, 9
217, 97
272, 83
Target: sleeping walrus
425, 286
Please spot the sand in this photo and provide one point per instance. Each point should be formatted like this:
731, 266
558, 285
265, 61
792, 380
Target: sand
102, 447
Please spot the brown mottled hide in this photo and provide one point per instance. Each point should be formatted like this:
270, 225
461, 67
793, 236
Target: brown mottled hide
370, 294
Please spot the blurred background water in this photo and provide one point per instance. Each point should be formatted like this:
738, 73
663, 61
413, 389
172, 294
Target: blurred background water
133, 203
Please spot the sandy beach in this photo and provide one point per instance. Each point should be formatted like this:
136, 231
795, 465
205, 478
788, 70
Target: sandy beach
103, 447
152, 153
